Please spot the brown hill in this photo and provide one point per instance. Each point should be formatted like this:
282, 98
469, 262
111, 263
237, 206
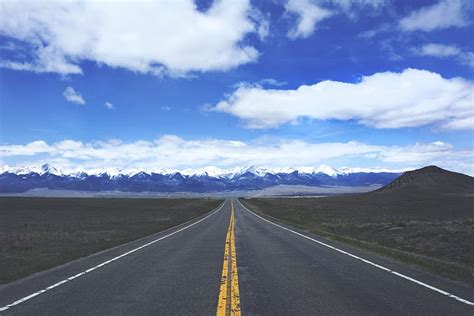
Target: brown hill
431, 179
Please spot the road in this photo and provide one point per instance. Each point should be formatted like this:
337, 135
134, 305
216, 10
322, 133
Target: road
264, 267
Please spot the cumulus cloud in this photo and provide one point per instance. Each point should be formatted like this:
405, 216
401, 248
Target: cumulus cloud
382, 100
153, 37
442, 15
73, 96
171, 151
308, 15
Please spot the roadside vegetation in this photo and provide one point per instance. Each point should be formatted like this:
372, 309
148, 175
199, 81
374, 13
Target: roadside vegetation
40, 233
434, 232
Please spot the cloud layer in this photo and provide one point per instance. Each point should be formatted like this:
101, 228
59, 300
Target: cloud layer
147, 37
174, 152
383, 100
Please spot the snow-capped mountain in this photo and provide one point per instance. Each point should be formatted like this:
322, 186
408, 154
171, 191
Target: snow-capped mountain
208, 179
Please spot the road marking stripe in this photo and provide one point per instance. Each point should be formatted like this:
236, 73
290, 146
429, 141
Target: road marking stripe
224, 288
229, 294
235, 293
4, 308
460, 299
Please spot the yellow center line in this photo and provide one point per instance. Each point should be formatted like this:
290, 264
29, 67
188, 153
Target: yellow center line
229, 296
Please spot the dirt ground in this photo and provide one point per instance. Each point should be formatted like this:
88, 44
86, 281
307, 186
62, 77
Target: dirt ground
434, 232
40, 233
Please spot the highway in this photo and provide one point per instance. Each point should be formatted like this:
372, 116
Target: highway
233, 261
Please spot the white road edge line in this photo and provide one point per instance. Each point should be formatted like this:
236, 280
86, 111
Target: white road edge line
26, 298
460, 299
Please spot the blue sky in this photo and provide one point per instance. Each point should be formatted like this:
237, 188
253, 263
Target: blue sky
358, 83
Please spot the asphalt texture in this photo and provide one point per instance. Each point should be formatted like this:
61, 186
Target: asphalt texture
280, 273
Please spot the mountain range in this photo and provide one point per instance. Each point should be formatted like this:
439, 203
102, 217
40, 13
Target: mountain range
204, 180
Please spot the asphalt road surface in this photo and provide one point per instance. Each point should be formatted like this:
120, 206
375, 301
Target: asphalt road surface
281, 271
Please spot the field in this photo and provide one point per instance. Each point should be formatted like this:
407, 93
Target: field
434, 232
40, 233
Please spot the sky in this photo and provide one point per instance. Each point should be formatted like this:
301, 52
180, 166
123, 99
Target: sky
190, 84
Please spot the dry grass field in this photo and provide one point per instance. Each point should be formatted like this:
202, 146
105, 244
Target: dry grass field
40, 233
435, 232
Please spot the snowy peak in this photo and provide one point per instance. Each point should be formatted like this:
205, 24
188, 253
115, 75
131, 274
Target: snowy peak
252, 170
47, 168
210, 171
327, 170
208, 179
39, 169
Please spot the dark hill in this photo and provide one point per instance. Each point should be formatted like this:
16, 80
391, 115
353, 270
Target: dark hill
430, 179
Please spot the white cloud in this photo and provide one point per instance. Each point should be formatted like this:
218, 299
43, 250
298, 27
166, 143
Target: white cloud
350, 4
442, 15
417, 153
460, 124
154, 37
444, 51
437, 153
467, 58
30, 149
263, 29
267, 82
8, 46
309, 13
109, 105
437, 50
171, 151
353, 8
371, 33
73, 96
271, 82
262, 21
308, 16
383, 100
46, 59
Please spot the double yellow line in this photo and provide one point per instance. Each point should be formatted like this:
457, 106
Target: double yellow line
229, 297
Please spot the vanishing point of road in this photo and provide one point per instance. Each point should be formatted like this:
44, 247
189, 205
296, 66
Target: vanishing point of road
232, 261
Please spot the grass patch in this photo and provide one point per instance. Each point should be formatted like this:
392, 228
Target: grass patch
421, 231
39, 233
